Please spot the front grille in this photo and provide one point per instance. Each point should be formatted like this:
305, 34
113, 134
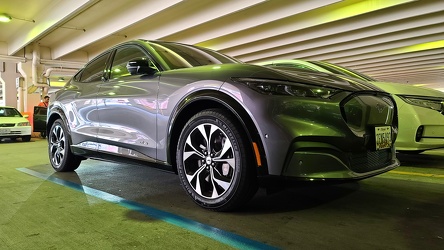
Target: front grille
362, 110
7, 125
12, 132
370, 160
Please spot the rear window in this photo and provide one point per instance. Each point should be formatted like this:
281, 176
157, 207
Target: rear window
95, 69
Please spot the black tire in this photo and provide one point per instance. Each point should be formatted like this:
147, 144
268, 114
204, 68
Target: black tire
43, 134
60, 155
218, 176
26, 138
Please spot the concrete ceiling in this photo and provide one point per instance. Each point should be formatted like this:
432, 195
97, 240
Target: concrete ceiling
391, 40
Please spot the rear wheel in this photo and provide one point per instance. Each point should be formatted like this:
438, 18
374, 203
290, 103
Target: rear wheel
213, 161
60, 155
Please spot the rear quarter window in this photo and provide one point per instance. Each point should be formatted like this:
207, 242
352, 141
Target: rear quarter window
95, 69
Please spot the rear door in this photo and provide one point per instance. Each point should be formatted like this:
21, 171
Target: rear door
79, 102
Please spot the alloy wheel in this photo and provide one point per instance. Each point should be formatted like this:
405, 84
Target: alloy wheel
57, 145
209, 161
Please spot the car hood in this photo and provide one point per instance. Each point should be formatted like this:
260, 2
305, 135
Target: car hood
12, 119
326, 79
224, 73
407, 89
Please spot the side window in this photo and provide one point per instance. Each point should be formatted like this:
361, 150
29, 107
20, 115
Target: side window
94, 70
128, 61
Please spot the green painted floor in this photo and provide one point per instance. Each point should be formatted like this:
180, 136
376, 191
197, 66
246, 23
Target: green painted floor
401, 209
37, 214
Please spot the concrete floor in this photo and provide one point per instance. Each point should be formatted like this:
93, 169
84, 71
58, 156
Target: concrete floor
119, 206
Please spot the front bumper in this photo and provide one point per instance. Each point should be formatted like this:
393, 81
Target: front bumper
324, 161
336, 140
9, 132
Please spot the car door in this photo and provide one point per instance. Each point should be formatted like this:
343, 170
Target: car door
127, 105
79, 102
39, 119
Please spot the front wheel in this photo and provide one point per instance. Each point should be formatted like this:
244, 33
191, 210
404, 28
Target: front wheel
26, 138
214, 163
60, 155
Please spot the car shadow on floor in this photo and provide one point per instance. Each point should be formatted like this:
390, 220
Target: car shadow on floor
428, 159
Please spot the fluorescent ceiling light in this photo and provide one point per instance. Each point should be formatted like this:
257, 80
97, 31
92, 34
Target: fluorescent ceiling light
5, 18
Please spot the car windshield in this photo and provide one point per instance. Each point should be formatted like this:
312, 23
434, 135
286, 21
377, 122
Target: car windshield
343, 71
178, 56
9, 112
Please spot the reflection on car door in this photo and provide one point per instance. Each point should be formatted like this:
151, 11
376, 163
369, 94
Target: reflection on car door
81, 95
127, 105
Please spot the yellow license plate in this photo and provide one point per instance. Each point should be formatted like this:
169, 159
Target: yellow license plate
383, 137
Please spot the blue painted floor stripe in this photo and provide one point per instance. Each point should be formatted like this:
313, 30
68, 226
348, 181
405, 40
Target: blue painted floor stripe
217, 234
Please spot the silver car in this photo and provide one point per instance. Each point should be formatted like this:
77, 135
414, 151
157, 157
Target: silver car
223, 126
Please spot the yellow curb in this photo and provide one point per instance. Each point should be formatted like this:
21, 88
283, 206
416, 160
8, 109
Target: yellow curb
417, 174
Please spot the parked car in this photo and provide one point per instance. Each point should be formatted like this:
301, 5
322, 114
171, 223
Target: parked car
223, 126
420, 110
13, 125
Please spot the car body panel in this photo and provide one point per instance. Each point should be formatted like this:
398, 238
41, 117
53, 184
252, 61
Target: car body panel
406, 89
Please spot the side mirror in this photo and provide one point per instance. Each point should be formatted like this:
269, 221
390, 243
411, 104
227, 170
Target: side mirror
140, 67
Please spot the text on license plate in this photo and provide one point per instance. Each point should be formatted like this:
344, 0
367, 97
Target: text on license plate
383, 137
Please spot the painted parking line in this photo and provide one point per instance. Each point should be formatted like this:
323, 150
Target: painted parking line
214, 233
416, 174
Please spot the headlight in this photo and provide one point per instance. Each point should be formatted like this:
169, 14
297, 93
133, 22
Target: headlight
276, 87
424, 101
23, 124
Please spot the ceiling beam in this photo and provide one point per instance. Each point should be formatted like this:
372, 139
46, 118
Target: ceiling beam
116, 21
310, 17
376, 34
46, 21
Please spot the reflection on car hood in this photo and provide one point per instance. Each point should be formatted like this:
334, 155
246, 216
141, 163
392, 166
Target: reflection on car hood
222, 71
325, 79
12, 120
407, 89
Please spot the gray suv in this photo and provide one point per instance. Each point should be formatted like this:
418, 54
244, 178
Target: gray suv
225, 127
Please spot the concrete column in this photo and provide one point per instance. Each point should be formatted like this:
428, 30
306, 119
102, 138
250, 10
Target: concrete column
30, 98
8, 75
